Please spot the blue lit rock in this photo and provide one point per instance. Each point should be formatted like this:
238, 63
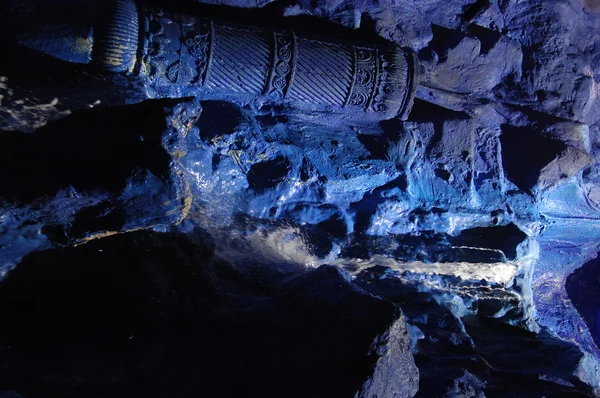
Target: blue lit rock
474, 216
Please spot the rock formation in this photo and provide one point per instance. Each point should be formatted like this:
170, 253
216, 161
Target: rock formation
174, 240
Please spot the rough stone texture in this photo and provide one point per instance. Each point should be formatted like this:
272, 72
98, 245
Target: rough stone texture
470, 215
458, 353
157, 314
394, 374
96, 173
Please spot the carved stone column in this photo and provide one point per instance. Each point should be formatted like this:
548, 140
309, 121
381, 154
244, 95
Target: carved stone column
177, 55
181, 55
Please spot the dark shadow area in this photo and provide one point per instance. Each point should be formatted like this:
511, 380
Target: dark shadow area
505, 360
391, 128
267, 121
439, 361
88, 222
376, 145
307, 169
583, 288
268, 174
423, 111
443, 174
90, 150
443, 40
472, 10
40, 79
505, 238
155, 315
518, 355
270, 15
218, 118
487, 37
525, 153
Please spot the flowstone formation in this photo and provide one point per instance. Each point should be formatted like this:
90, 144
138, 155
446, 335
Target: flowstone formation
328, 199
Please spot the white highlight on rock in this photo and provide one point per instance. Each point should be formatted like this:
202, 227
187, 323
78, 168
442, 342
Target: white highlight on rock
500, 273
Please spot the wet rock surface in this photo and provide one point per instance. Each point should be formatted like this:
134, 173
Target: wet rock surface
240, 247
